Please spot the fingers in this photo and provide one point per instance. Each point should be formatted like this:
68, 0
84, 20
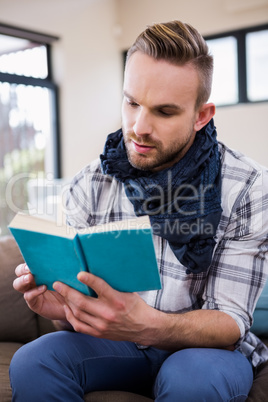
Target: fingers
97, 284
32, 294
80, 321
25, 280
22, 269
70, 295
78, 303
24, 283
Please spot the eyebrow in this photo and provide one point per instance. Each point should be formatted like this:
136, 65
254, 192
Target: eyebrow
173, 106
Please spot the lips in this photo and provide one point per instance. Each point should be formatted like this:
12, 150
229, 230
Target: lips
141, 149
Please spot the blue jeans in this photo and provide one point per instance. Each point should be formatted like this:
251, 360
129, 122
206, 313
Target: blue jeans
63, 366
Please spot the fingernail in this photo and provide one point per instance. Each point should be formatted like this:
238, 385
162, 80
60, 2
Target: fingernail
26, 278
26, 268
57, 287
81, 277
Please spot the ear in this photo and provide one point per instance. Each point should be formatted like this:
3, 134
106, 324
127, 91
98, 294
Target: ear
204, 115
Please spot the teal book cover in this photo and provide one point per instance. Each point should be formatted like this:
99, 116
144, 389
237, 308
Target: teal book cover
121, 253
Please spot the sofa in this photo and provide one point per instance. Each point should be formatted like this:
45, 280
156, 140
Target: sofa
20, 325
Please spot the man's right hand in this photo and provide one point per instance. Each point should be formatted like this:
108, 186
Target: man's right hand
46, 303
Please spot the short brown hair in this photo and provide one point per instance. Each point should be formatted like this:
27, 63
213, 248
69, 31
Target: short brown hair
178, 43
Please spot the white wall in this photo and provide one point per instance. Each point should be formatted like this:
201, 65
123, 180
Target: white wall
208, 16
88, 63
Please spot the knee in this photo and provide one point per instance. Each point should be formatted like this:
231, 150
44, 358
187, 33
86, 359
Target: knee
41, 362
178, 379
33, 359
26, 361
22, 369
203, 375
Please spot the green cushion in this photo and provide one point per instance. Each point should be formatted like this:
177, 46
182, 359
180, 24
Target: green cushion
260, 316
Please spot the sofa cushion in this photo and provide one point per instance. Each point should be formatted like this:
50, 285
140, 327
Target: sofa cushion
114, 396
259, 390
7, 349
17, 322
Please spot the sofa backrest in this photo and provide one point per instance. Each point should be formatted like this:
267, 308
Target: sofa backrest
17, 322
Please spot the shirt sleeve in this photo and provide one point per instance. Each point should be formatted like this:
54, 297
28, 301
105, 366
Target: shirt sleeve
94, 198
240, 264
79, 199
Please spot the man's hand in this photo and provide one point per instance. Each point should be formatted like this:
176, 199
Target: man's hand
49, 304
113, 315
125, 316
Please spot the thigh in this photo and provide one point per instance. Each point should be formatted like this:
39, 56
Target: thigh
204, 375
70, 364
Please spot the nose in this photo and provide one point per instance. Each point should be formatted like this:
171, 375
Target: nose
143, 123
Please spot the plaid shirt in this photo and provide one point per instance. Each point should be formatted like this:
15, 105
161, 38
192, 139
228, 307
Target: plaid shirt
239, 267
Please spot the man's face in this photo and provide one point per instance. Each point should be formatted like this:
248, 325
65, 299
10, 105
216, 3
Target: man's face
158, 111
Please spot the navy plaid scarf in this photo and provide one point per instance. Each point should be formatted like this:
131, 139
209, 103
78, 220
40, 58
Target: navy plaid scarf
183, 202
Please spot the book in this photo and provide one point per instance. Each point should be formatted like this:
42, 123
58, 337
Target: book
121, 252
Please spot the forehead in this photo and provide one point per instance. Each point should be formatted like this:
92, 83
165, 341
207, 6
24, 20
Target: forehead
159, 80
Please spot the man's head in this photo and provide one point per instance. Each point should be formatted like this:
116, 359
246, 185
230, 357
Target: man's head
165, 95
178, 44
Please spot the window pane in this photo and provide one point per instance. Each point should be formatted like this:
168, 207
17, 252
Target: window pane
257, 65
22, 57
225, 81
26, 146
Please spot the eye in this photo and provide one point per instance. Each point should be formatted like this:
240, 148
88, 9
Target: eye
165, 113
168, 110
132, 103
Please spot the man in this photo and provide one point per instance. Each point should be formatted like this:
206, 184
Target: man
189, 341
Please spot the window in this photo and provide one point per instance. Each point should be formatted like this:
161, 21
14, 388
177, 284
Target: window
224, 91
240, 66
28, 117
257, 65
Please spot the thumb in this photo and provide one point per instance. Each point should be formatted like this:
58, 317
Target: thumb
96, 283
